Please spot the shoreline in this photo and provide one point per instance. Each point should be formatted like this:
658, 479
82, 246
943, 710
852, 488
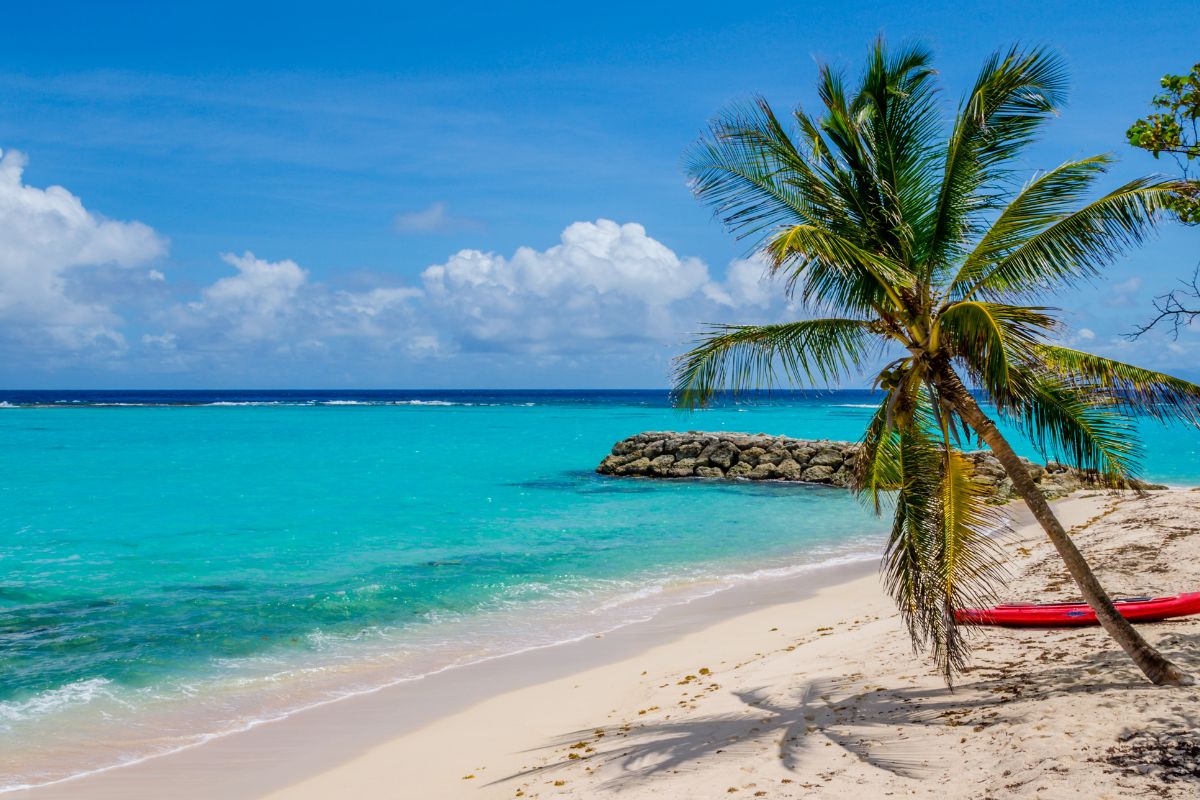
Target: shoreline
502, 672
735, 692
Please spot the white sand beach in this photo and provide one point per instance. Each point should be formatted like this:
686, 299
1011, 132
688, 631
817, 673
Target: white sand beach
774, 690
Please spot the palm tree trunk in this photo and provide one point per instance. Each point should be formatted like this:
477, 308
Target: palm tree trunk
1157, 667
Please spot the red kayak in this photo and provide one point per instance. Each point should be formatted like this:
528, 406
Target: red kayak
1053, 615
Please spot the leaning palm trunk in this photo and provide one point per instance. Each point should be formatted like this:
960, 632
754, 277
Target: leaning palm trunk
1157, 667
915, 236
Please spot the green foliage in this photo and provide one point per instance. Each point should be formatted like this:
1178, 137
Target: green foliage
910, 232
1175, 130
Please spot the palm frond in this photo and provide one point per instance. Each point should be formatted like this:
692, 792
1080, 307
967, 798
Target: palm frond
1130, 389
903, 127
1078, 245
939, 556
1015, 94
834, 271
1046, 199
877, 463
908, 574
755, 177
989, 336
966, 558
1069, 423
744, 357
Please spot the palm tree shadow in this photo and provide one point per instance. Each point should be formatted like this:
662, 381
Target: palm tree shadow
873, 726
791, 723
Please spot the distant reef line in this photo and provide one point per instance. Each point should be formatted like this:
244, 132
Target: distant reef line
762, 457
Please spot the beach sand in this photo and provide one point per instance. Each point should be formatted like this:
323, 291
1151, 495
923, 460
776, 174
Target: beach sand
778, 690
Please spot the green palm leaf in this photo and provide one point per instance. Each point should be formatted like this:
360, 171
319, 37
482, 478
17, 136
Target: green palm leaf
1043, 201
1015, 94
1078, 245
1072, 425
940, 555
988, 337
745, 357
1131, 389
966, 559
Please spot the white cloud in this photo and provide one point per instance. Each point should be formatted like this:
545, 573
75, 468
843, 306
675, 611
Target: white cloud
604, 289
1086, 334
603, 281
256, 302
47, 238
746, 284
433, 219
274, 305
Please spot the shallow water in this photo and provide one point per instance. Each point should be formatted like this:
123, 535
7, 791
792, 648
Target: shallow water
178, 565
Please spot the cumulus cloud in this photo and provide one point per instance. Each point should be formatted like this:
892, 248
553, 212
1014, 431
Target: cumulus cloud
602, 282
434, 219
48, 239
746, 285
274, 306
605, 288
257, 301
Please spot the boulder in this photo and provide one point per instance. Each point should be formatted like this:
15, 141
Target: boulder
682, 468
639, 466
789, 470
626, 446
817, 474
660, 465
720, 454
829, 457
773, 456
609, 465
841, 477
802, 454
739, 470
709, 472
751, 455
763, 472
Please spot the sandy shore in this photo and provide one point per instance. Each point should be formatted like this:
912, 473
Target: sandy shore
785, 689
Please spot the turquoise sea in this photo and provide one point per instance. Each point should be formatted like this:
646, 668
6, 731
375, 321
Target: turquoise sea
178, 565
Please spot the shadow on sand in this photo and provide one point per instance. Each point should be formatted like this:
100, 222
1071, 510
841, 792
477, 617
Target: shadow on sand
874, 726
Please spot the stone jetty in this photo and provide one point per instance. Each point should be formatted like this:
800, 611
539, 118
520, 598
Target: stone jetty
758, 456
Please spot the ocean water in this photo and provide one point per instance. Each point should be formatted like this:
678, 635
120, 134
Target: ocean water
178, 565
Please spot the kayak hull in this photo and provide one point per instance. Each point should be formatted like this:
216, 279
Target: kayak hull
1057, 615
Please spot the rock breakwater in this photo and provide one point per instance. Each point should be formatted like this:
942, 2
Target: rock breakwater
759, 456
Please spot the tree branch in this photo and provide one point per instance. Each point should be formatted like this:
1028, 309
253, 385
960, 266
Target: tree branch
1178, 308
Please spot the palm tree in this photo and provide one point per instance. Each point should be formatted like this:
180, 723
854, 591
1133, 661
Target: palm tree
917, 238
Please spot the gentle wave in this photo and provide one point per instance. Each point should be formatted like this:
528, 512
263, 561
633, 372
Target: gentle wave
54, 700
634, 606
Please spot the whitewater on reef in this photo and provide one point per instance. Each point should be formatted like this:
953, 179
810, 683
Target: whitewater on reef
182, 565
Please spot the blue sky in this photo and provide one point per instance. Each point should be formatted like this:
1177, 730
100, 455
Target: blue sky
352, 194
